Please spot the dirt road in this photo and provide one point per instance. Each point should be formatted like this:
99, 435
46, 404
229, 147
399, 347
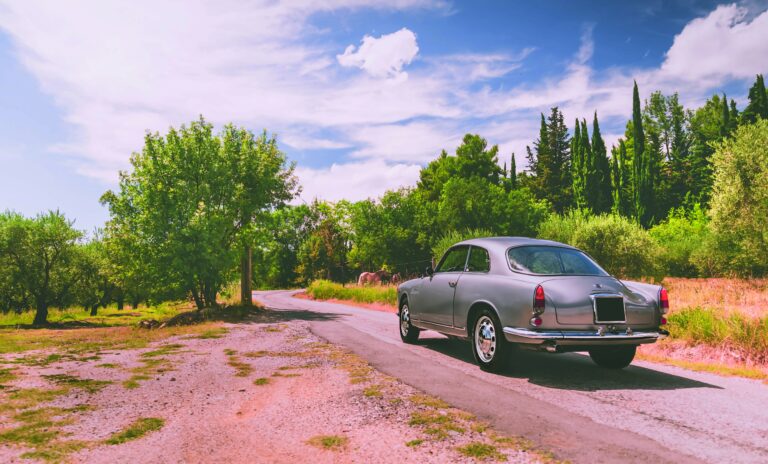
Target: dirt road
646, 413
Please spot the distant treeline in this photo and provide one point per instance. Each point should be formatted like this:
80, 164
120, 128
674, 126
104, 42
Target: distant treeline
684, 193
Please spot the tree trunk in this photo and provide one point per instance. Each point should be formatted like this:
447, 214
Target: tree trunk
94, 309
198, 299
41, 315
246, 298
120, 302
135, 302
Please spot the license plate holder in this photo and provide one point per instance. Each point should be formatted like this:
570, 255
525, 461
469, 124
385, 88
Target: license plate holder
609, 309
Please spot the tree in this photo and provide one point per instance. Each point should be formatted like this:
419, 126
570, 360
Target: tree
579, 168
707, 128
39, 254
94, 286
550, 162
189, 203
512, 173
740, 200
758, 102
323, 255
643, 168
601, 182
621, 180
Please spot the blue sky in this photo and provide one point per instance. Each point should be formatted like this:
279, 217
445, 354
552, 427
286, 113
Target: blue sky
361, 95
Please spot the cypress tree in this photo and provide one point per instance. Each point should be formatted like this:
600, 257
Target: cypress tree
590, 181
578, 166
725, 127
642, 166
758, 102
622, 195
512, 172
604, 198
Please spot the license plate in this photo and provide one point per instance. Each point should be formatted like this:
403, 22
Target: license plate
609, 310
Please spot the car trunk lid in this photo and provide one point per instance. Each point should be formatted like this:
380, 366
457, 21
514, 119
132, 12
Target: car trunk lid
573, 298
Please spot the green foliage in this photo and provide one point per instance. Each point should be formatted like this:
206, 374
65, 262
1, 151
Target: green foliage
619, 245
740, 200
190, 202
452, 237
758, 102
681, 239
550, 162
715, 328
644, 166
323, 254
326, 290
36, 262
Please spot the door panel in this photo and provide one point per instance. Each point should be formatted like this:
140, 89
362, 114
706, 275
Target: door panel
437, 292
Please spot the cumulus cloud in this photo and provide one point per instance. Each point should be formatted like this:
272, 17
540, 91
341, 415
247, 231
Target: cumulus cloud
384, 56
356, 181
725, 43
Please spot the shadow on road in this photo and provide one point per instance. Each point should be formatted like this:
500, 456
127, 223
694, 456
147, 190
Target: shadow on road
570, 371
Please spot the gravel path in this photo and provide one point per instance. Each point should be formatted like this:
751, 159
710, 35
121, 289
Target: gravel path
214, 411
645, 413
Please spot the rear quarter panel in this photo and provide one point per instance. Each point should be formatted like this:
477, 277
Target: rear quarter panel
510, 296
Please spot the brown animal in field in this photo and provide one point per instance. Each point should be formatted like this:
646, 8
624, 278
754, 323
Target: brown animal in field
396, 279
372, 278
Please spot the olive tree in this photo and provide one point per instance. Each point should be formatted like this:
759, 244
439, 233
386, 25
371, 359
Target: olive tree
187, 208
38, 255
739, 206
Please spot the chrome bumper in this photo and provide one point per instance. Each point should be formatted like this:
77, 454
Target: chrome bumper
568, 337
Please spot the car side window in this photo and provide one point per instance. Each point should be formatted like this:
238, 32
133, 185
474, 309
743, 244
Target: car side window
478, 261
454, 260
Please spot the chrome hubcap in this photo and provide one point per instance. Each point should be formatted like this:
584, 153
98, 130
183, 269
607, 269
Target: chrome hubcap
485, 339
405, 320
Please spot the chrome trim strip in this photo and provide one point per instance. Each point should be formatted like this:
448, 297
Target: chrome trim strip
580, 335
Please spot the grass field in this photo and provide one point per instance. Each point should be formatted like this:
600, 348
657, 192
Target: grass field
326, 290
109, 316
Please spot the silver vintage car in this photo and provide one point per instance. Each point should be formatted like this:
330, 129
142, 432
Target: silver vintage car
535, 294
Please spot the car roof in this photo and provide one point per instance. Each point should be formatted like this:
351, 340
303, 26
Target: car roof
502, 243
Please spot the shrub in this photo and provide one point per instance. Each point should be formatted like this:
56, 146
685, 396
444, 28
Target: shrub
325, 290
561, 228
620, 246
680, 239
449, 239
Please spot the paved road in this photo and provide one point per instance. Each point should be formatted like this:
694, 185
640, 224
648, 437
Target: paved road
645, 413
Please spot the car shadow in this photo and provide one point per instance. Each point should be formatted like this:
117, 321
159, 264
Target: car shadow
570, 371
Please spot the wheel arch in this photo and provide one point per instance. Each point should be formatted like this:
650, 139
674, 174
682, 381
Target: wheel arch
475, 308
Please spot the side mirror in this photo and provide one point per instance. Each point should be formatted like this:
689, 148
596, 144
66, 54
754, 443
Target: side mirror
429, 271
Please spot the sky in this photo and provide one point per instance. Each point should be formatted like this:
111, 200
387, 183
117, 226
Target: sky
360, 93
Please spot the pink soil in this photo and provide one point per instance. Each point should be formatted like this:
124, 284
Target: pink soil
211, 415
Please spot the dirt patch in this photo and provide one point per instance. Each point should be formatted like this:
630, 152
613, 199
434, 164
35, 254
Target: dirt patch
261, 391
374, 306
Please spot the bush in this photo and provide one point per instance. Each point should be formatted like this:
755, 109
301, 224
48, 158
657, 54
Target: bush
449, 239
561, 228
681, 239
620, 246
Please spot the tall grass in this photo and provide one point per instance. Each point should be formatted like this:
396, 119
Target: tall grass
326, 290
733, 330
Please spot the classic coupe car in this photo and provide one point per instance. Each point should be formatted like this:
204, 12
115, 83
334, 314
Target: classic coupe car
535, 294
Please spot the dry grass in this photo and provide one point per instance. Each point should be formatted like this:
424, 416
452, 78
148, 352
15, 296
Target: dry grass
745, 296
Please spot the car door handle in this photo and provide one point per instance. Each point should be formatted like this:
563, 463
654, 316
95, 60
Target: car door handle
453, 284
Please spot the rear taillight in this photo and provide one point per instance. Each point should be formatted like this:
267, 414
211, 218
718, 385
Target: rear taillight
538, 300
663, 321
663, 300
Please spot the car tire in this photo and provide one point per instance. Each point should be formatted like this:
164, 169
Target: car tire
408, 333
614, 357
489, 347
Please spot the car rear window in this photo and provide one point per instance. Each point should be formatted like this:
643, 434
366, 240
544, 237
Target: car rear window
549, 260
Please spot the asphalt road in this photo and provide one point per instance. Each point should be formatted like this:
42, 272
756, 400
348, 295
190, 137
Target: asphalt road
645, 413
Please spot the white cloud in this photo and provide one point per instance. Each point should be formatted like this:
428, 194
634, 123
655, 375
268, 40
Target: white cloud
117, 69
355, 181
384, 56
725, 43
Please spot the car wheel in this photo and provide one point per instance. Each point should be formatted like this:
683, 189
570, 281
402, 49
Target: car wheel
489, 346
408, 333
614, 357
